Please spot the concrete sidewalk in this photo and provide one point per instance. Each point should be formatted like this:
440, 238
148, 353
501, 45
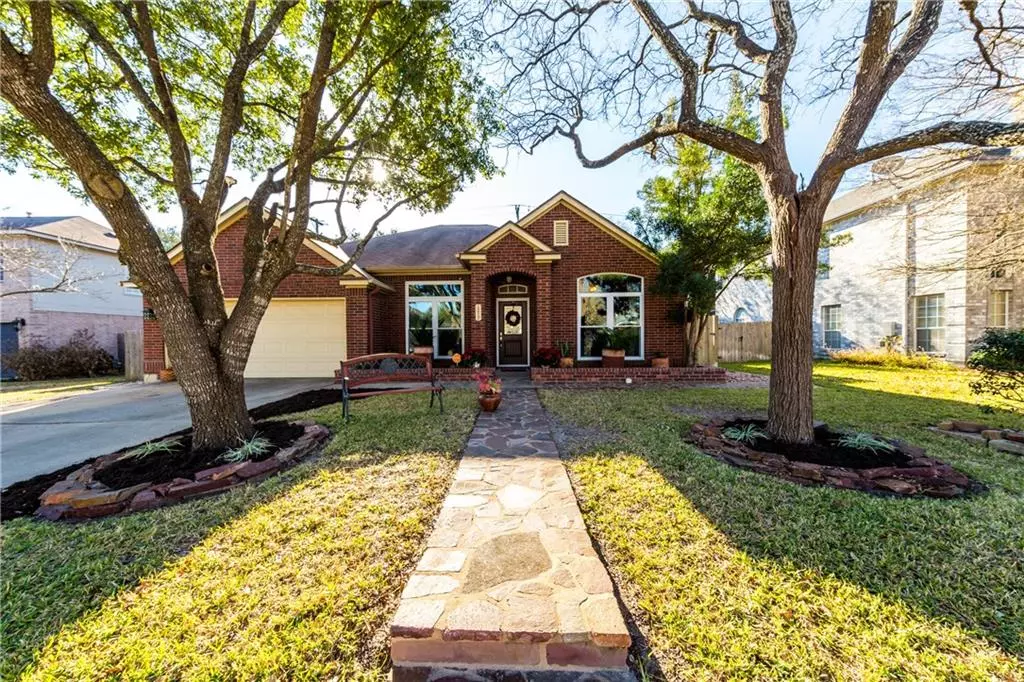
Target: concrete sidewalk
42, 439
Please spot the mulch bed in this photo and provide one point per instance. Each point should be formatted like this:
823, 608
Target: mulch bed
22, 498
905, 470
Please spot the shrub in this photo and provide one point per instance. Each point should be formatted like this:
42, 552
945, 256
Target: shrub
474, 357
546, 357
998, 356
81, 356
885, 358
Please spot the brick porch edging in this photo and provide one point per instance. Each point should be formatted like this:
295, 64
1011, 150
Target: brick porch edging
550, 375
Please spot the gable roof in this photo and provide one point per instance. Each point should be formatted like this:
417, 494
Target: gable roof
333, 254
594, 217
508, 229
73, 229
428, 247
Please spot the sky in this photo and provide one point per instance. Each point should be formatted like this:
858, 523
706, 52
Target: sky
526, 180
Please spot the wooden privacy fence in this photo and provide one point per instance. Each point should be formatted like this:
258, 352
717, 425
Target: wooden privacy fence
133, 356
741, 341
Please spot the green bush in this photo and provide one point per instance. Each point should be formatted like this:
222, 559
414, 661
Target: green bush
998, 356
81, 356
886, 358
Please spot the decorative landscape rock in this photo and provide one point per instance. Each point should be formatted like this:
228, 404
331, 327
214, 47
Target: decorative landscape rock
916, 475
80, 497
1004, 440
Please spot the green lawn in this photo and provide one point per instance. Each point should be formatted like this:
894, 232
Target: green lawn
735, 575
293, 578
19, 392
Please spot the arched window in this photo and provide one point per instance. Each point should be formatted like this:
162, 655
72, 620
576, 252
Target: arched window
741, 315
607, 303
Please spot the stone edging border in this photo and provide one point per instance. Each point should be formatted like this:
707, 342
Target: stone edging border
923, 475
1004, 440
80, 497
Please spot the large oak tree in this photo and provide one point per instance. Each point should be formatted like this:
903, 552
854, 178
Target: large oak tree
139, 105
568, 64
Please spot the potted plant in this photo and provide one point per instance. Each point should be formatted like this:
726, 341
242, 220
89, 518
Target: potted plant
489, 389
613, 354
546, 357
565, 350
660, 359
474, 357
423, 339
166, 375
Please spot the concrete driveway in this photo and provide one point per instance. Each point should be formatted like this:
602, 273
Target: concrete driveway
42, 439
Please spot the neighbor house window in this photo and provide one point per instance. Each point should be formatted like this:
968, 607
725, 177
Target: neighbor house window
930, 323
832, 323
433, 316
999, 308
608, 302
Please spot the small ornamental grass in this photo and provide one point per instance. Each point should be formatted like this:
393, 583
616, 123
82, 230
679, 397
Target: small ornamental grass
865, 441
153, 447
254, 447
748, 434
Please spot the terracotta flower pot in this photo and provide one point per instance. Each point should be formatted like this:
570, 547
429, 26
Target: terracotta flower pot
659, 362
566, 362
422, 350
613, 357
489, 401
166, 375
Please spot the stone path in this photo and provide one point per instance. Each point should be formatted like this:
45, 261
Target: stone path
510, 587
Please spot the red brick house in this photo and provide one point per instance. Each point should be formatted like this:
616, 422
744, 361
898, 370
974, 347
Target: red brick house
561, 273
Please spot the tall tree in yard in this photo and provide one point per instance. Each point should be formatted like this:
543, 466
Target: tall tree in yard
708, 221
135, 105
577, 62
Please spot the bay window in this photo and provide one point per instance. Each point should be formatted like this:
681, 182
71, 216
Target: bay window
433, 316
607, 302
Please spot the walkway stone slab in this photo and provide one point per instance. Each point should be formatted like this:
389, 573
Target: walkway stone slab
510, 583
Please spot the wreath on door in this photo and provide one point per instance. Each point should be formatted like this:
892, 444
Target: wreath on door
512, 318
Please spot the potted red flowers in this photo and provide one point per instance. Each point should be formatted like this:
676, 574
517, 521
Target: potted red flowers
489, 389
546, 357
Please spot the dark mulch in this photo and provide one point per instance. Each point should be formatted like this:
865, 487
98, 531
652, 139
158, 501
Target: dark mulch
825, 450
184, 462
22, 498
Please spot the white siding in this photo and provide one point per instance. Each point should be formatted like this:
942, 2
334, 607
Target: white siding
866, 278
101, 294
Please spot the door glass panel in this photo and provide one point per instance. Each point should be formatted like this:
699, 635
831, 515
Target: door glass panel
512, 322
449, 342
449, 314
593, 311
421, 324
438, 289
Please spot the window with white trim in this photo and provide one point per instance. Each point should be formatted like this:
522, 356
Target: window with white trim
930, 323
433, 316
999, 308
561, 233
832, 324
824, 262
607, 302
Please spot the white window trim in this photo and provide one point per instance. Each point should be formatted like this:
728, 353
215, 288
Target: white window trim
497, 330
610, 312
432, 300
1006, 293
825, 331
918, 327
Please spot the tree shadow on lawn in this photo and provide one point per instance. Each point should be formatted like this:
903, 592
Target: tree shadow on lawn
955, 560
85, 583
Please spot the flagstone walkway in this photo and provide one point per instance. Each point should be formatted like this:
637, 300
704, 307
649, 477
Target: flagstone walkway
510, 587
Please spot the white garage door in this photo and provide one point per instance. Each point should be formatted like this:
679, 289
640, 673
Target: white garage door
298, 338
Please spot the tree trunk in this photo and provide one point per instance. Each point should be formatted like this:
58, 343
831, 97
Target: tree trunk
796, 229
220, 418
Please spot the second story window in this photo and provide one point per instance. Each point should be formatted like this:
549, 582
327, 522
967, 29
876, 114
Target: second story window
824, 262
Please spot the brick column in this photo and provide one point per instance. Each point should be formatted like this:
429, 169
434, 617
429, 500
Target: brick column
477, 296
357, 326
152, 345
544, 305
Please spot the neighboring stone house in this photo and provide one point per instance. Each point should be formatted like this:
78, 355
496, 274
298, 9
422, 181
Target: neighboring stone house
562, 273
932, 243
39, 252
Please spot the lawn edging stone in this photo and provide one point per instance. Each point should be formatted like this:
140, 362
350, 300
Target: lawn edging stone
921, 476
1003, 440
79, 496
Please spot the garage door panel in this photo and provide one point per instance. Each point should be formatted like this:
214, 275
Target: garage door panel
298, 338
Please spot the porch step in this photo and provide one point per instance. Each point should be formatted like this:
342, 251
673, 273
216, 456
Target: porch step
510, 586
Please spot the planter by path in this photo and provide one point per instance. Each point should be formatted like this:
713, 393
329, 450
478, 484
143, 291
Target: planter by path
915, 475
79, 496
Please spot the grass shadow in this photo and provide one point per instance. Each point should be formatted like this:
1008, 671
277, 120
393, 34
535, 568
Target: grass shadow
71, 592
959, 562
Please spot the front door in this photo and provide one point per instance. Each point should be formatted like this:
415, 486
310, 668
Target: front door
513, 333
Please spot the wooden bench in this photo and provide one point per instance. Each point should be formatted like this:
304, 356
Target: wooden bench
389, 368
